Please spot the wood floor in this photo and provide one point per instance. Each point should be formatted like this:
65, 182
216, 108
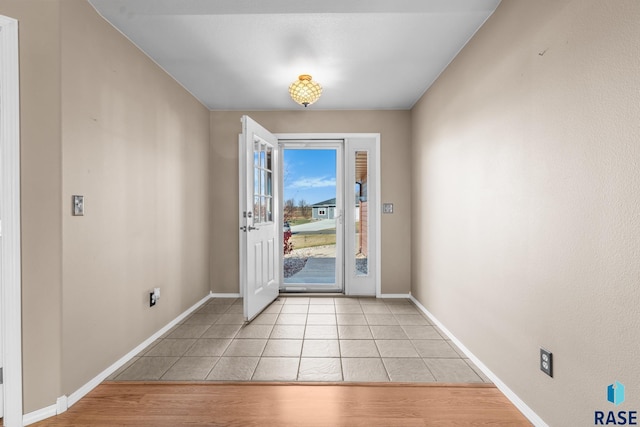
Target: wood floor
280, 404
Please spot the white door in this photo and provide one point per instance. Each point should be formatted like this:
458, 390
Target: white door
260, 242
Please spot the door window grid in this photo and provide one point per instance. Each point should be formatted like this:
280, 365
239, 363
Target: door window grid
262, 182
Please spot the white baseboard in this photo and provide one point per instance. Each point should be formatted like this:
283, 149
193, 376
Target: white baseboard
390, 296
64, 402
224, 295
509, 394
39, 415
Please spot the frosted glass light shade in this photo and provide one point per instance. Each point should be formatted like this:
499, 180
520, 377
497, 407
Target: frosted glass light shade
304, 91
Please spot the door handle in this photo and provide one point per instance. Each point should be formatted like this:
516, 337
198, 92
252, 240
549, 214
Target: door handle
249, 228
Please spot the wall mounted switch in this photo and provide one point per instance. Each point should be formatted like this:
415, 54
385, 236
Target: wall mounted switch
78, 205
387, 208
152, 299
154, 296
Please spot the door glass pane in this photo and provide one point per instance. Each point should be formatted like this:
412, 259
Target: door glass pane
269, 209
263, 209
269, 189
256, 209
256, 181
269, 156
310, 210
262, 155
263, 183
362, 213
256, 153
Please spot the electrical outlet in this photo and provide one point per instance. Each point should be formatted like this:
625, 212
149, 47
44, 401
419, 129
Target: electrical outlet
152, 299
546, 362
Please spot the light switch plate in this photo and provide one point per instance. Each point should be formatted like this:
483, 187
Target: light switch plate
78, 205
387, 208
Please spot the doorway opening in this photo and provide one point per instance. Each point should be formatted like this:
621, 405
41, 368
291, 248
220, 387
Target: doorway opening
263, 233
313, 226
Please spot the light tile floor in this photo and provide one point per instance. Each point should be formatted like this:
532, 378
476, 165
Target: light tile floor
304, 339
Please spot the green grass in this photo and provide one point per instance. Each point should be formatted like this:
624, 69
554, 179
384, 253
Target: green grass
298, 221
301, 241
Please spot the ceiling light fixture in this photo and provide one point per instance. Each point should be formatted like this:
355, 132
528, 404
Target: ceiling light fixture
304, 91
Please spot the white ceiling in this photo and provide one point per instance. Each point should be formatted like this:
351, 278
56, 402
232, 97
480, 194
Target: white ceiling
243, 54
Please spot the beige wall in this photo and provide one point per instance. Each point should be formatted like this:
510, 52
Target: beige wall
394, 129
526, 204
39, 35
102, 120
136, 145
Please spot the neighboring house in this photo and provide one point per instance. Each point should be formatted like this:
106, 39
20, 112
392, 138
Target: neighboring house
324, 210
327, 210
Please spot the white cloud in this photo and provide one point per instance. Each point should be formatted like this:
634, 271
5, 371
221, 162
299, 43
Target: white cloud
317, 182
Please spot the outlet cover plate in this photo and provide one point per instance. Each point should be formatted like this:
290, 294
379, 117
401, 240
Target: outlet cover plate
546, 362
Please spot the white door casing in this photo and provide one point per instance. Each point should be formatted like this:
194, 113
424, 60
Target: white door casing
368, 285
10, 261
260, 243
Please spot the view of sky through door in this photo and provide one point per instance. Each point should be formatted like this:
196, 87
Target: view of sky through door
310, 212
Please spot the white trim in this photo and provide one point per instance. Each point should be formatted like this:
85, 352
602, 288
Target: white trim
64, 402
378, 225
219, 295
519, 403
40, 414
319, 136
309, 138
391, 296
10, 214
242, 220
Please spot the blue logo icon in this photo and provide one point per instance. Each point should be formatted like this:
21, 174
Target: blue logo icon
615, 393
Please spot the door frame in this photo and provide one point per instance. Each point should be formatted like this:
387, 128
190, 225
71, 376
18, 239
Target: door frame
10, 272
283, 137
